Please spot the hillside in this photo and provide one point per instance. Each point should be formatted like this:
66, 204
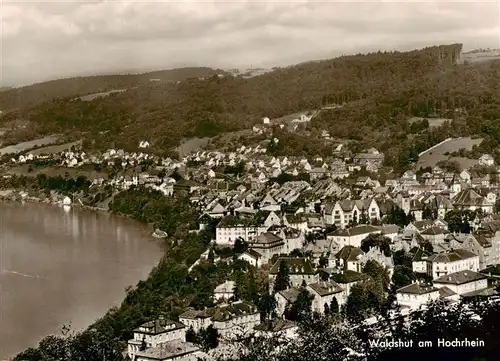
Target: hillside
380, 92
24, 97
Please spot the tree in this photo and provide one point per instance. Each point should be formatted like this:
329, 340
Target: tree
377, 273
266, 304
429, 212
323, 261
240, 245
363, 218
460, 221
191, 335
282, 281
377, 240
357, 304
397, 216
402, 276
334, 306
301, 310
208, 338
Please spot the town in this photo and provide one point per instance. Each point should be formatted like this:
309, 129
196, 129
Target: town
335, 232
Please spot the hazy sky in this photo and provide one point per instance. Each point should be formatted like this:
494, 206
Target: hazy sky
51, 39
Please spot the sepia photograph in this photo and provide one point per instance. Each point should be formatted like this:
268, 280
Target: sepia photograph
259, 180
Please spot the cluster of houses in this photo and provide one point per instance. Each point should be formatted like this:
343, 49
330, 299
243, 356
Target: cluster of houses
325, 211
327, 221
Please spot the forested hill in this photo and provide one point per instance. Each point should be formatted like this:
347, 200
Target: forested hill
23, 97
379, 92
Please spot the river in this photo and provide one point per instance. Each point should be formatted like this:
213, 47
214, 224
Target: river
59, 267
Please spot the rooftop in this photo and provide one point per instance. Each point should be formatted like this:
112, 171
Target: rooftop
461, 277
168, 350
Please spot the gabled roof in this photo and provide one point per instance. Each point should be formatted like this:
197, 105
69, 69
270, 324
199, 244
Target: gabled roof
290, 294
226, 287
468, 197
295, 265
252, 253
268, 238
347, 276
459, 278
417, 289
275, 325
456, 255
355, 231
159, 326
349, 253
445, 292
325, 288
434, 230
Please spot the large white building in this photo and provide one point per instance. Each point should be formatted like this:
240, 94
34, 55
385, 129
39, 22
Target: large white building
299, 269
341, 213
463, 282
324, 292
416, 295
352, 236
445, 263
161, 340
230, 320
231, 227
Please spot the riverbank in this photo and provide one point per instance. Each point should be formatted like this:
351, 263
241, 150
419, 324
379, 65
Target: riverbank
19, 196
78, 264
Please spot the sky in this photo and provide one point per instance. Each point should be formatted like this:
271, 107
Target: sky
44, 40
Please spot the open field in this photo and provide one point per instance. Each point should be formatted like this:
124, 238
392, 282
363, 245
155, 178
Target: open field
55, 148
90, 97
192, 145
433, 122
475, 57
21, 147
24, 169
432, 156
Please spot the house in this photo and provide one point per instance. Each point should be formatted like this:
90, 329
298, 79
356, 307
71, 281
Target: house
346, 279
224, 291
186, 185
216, 210
416, 295
419, 260
371, 157
253, 257
285, 298
268, 203
434, 234
324, 292
471, 200
486, 245
232, 227
278, 328
267, 244
463, 282
230, 320
445, 263
294, 239
342, 213
268, 218
144, 144
352, 236
300, 270
161, 340
348, 258
235, 319
486, 160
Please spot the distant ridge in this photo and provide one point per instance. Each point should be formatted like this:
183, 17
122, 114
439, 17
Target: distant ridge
30, 95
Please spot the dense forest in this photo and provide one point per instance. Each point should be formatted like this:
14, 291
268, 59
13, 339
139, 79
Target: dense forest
27, 96
379, 93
